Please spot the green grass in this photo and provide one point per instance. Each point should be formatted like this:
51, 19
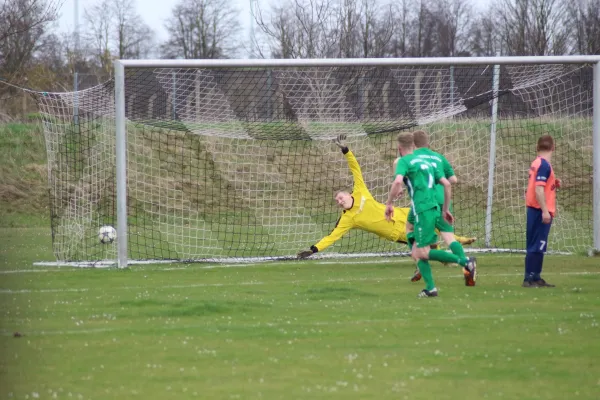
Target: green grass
298, 330
23, 176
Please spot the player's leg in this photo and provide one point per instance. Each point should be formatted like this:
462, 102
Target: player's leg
447, 233
424, 231
456, 248
423, 238
410, 237
469, 264
530, 257
537, 241
410, 227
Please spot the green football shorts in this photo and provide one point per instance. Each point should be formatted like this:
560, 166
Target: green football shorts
441, 225
425, 223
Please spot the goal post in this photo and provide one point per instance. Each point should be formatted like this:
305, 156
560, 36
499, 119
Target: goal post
121, 163
231, 160
596, 160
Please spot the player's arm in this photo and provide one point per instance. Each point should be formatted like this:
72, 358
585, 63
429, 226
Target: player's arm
439, 178
447, 195
359, 182
449, 171
395, 165
540, 196
395, 191
542, 176
396, 188
343, 225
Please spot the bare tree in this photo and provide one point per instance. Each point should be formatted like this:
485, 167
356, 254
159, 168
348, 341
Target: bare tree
584, 25
301, 29
484, 39
98, 21
376, 29
23, 24
115, 29
133, 36
202, 29
452, 22
19, 16
350, 17
279, 34
421, 41
402, 17
51, 66
532, 27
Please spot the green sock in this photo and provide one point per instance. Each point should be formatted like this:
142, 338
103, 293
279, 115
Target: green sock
457, 249
425, 269
445, 257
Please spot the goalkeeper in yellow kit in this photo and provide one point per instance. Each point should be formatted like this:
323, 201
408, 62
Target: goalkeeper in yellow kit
362, 211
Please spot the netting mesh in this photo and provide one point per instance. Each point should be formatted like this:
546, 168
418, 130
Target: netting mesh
232, 163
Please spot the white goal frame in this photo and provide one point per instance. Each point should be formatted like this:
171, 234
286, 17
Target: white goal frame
121, 132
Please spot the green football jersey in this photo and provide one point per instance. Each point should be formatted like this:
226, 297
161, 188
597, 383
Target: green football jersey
420, 178
440, 163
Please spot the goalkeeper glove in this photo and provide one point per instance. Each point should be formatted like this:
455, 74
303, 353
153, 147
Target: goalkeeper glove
339, 141
308, 253
305, 254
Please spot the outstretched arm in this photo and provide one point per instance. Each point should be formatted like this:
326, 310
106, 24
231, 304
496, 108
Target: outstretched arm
343, 225
359, 182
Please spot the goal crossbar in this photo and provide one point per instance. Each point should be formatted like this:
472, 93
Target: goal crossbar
361, 62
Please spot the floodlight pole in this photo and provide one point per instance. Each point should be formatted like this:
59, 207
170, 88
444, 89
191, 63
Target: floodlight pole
121, 164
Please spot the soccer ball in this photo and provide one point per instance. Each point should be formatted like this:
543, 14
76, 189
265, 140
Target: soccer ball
107, 234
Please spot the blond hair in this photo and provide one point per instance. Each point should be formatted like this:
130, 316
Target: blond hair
405, 140
421, 139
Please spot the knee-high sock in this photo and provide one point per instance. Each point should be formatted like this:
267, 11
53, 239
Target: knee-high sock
425, 269
444, 256
457, 249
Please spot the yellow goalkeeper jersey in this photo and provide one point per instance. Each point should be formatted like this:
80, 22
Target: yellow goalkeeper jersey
366, 213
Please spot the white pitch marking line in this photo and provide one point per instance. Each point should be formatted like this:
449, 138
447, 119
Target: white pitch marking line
260, 283
403, 260
25, 271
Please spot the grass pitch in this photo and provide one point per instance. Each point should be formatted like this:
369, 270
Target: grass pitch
296, 330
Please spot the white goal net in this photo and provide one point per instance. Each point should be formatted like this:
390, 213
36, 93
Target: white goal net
237, 163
